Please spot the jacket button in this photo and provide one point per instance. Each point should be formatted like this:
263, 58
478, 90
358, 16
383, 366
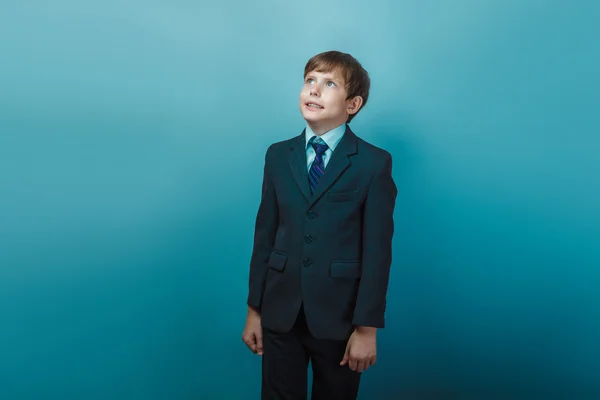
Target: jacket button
308, 238
310, 215
307, 262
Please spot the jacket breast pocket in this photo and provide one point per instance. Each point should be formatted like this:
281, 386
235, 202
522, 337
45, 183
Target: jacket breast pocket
345, 269
277, 260
335, 197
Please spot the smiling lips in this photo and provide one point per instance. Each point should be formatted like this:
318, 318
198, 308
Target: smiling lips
314, 106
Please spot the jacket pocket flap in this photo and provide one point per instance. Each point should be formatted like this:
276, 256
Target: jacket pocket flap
277, 261
345, 269
334, 197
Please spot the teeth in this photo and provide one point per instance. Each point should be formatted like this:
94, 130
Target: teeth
314, 105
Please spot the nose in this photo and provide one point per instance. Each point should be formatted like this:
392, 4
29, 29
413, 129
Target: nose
314, 91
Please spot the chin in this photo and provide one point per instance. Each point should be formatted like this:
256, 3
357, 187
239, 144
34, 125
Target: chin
308, 117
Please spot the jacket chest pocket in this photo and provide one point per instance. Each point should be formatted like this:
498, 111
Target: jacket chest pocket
336, 197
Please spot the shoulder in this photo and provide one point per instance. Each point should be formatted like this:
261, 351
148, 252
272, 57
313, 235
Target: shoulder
378, 154
283, 146
280, 145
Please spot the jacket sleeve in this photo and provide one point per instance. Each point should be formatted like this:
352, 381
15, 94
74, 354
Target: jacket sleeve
267, 221
378, 230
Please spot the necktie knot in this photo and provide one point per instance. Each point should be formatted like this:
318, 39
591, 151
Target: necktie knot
319, 145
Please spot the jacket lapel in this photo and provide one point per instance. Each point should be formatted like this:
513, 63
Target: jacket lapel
338, 163
297, 162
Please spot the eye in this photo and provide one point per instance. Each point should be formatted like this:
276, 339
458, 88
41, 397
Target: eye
330, 83
310, 80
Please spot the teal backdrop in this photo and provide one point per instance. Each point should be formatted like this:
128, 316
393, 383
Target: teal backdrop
132, 141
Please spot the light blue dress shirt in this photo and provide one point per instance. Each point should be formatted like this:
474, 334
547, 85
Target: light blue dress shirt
332, 138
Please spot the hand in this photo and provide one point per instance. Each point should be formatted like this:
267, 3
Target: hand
361, 350
252, 335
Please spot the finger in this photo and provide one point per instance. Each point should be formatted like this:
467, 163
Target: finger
362, 365
259, 343
253, 345
353, 364
373, 360
250, 342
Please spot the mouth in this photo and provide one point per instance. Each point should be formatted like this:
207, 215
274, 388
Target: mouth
314, 106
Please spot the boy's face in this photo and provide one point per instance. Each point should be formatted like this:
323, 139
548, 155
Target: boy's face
323, 102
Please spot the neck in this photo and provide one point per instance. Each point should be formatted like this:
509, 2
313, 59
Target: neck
320, 129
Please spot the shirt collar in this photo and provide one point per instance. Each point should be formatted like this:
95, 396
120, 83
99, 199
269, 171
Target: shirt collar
331, 138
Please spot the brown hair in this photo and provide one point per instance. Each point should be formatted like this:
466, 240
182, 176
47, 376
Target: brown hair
356, 78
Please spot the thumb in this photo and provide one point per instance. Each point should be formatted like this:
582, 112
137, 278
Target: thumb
259, 343
346, 355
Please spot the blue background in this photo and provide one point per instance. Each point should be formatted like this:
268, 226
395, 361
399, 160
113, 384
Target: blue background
132, 137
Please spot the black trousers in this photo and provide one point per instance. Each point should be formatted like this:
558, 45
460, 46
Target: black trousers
285, 366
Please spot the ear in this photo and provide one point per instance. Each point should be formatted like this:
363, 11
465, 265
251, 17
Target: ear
354, 104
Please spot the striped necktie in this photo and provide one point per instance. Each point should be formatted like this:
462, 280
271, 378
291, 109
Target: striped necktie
318, 166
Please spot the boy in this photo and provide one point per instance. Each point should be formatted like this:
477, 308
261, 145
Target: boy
322, 243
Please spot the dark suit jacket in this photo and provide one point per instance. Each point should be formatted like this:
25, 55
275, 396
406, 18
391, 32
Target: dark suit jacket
330, 251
